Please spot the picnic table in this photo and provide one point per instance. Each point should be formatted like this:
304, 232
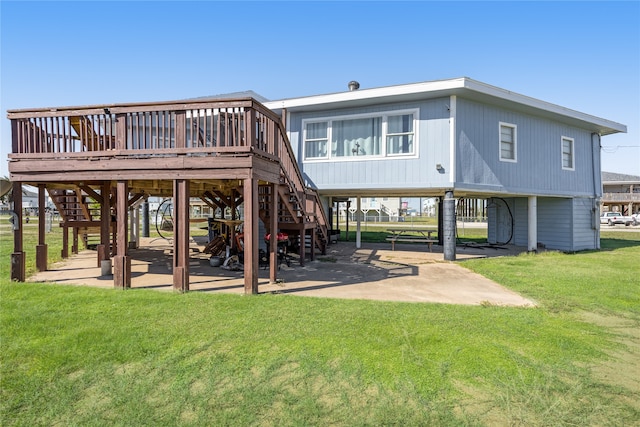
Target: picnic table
415, 234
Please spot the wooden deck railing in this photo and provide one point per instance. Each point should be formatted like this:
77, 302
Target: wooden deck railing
220, 127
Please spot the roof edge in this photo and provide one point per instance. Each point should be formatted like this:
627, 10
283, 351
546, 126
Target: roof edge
456, 86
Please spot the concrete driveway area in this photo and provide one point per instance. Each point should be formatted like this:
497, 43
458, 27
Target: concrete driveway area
410, 273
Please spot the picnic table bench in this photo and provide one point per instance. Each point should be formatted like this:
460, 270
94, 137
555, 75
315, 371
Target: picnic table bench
411, 235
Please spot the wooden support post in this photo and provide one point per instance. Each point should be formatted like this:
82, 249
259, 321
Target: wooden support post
103, 249
122, 261
41, 249
232, 228
303, 244
64, 253
313, 244
18, 255
134, 227
273, 240
181, 235
74, 243
251, 208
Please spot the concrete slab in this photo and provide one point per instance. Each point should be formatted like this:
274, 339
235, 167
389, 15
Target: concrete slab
410, 274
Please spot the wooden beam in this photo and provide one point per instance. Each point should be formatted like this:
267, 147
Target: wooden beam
273, 240
223, 198
65, 172
181, 235
104, 252
135, 198
18, 255
215, 202
83, 205
95, 196
122, 261
251, 207
41, 249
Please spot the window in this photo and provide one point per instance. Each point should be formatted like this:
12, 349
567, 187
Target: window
508, 142
400, 134
358, 137
567, 153
315, 143
345, 138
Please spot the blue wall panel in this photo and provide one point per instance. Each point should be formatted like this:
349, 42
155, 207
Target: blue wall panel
386, 173
538, 169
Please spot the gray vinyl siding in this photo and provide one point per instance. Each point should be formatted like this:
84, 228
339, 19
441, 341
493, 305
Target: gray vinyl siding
508, 221
538, 169
563, 224
555, 223
386, 173
567, 224
585, 233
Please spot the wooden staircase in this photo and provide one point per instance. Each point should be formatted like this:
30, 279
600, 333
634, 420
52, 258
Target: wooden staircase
77, 210
293, 212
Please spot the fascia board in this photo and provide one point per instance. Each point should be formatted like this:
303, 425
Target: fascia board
377, 95
463, 87
605, 126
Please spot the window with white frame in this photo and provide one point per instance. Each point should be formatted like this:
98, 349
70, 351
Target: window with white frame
508, 142
316, 139
567, 153
344, 138
400, 134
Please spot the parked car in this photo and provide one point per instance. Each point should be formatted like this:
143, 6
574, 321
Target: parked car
613, 218
636, 219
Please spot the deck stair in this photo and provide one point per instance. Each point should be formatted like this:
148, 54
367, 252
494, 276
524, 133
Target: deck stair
78, 210
292, 213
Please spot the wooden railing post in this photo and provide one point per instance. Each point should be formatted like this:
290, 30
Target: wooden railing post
250, 127
180, 129
121, 131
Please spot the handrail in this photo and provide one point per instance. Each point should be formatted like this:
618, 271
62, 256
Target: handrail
170, 128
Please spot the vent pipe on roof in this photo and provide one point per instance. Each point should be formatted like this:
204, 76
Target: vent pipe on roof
353, 85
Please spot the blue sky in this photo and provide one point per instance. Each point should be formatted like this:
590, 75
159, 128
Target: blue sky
580, 55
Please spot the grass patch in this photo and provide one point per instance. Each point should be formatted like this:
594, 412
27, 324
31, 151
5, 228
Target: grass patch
86, 356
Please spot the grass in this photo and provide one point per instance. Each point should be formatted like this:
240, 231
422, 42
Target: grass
84, 356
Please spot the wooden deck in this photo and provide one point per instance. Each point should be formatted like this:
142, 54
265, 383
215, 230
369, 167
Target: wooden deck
98, 161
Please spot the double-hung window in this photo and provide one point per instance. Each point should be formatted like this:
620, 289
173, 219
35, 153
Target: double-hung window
508, 142
360, 136
400, 134
567, 153
316, 139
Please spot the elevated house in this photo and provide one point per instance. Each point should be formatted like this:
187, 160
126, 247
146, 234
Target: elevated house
288, 162
620, 193
537, 164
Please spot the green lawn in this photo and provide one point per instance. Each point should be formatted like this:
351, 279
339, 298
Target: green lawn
84, 356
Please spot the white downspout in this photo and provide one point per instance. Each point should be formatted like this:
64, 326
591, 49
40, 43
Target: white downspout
358, 220
452, 138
